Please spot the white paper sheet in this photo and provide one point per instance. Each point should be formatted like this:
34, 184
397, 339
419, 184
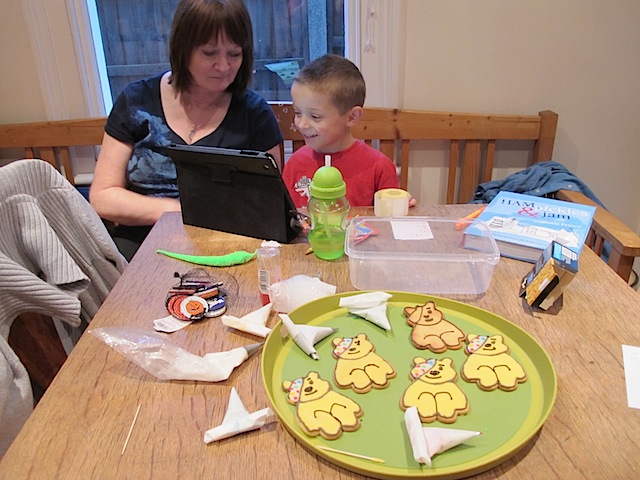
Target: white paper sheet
631, 359
411, 230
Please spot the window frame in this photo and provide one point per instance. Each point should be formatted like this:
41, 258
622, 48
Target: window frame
383, 67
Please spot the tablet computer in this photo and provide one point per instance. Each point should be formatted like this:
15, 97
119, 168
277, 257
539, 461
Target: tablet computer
235, 191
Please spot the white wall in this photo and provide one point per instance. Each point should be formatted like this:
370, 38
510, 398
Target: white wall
580, 58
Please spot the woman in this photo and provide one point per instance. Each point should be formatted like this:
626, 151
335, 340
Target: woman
203, 100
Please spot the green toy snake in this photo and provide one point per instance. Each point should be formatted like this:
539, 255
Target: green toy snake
233, 258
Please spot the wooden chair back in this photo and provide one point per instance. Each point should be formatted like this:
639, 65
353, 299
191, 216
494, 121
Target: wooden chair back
608, 229
472, 142
472, 139
52, 141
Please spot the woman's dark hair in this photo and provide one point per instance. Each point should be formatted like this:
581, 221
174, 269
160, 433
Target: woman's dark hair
197, 22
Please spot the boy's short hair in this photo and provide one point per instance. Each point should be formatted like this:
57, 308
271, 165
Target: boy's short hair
197, 22
337, 77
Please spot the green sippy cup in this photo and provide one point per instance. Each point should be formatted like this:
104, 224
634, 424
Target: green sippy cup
328, 208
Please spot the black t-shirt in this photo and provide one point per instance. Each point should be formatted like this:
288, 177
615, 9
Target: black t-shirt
137, 118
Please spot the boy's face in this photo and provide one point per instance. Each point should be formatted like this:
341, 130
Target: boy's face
324, 129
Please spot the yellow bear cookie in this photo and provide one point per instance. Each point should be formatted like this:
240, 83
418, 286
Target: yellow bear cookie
358, 366
319, 409
431, 330
489, 364
434, 392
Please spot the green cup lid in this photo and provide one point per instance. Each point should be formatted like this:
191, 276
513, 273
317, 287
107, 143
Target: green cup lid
328, 183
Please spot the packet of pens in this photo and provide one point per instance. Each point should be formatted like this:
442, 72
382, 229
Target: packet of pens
544, 285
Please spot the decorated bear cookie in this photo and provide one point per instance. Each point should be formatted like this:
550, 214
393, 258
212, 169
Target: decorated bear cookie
434, 392
489, 364
358, 366
431, 330
319, 409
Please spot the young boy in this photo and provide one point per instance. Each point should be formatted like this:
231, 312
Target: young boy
328, 95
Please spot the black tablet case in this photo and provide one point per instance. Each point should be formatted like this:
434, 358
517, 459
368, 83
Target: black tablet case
235, 191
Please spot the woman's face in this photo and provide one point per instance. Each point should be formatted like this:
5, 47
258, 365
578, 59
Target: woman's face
214, 65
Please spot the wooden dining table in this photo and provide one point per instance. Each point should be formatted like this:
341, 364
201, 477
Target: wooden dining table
81, 425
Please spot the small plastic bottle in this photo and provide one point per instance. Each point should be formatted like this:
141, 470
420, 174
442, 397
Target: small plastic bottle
269, 270
328, 208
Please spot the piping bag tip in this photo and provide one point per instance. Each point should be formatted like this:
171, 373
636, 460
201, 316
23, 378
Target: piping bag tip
253, 348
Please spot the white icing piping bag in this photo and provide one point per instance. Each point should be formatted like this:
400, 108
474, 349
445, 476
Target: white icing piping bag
426, 442
237, 420
253, 322
306, 336
371, 306
167, 361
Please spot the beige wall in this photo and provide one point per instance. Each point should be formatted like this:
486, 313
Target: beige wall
577, 57
47, 85
20, 95
580, 58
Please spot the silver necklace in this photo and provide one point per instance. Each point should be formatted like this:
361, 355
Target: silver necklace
196, 126
192, 132
188, 106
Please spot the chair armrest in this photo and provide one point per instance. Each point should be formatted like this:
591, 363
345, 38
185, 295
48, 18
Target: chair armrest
606, 227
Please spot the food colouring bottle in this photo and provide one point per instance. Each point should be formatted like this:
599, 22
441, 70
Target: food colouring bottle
269, 270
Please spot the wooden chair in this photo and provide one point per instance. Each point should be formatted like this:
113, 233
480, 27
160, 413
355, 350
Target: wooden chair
33, 336
473, 140
606, 227
35, 340
52, 141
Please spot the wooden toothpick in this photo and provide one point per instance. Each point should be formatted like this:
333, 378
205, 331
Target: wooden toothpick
126, 442
351, 454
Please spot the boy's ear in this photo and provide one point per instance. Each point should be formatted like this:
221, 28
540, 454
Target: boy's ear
355, 114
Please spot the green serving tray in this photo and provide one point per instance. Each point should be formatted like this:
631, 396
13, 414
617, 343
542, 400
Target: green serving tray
507, 420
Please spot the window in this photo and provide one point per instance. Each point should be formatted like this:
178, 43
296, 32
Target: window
287, 35
375, 22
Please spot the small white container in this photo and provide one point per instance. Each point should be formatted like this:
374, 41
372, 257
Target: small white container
391, 202
419, 254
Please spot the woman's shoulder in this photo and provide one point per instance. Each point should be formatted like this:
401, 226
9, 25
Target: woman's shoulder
250, 100
250, 114
138, 103
253, 108
144, 87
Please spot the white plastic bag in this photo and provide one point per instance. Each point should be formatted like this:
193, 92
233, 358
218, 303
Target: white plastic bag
289, 294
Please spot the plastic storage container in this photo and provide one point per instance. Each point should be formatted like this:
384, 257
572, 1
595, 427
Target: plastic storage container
419, 254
